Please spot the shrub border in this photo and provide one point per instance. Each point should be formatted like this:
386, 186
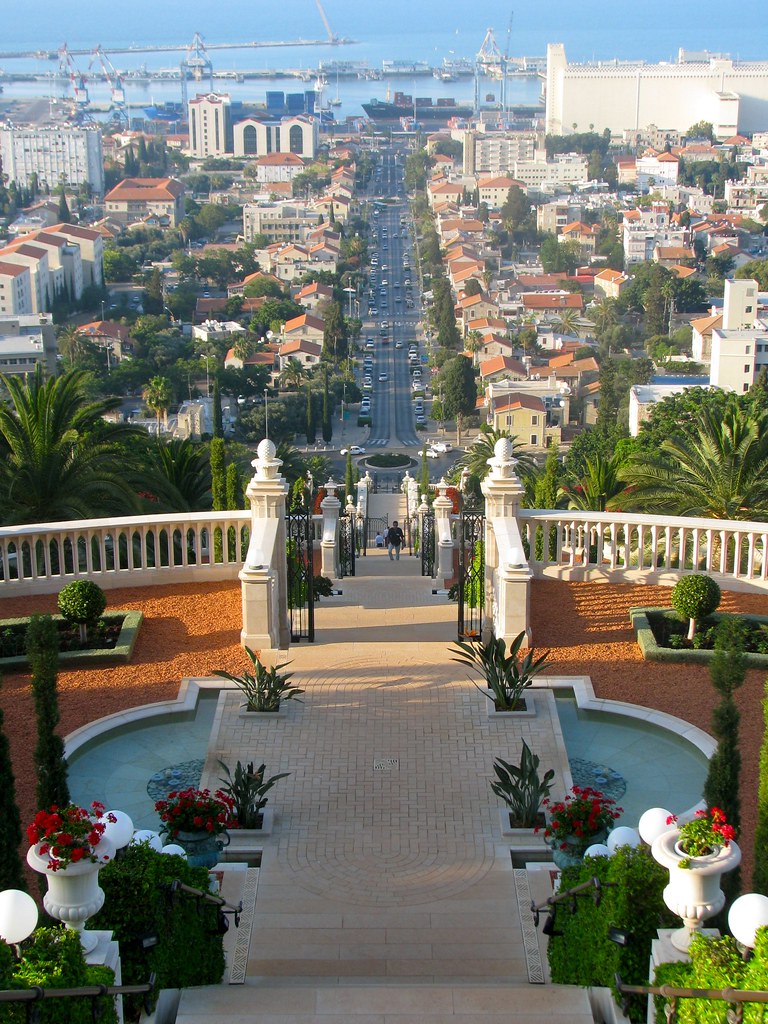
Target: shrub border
640, 619
118, 655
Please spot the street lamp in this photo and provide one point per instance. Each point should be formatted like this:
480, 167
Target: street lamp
207, 377
266, 413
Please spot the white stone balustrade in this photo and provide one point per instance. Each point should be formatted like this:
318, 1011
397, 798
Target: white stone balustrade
636, 548
329, 543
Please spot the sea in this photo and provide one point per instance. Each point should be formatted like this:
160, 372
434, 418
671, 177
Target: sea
383, 30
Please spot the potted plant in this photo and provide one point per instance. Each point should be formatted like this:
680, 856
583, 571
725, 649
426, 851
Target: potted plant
521, 788
264, 688
696, 855
68, 847
586, 816
506, 675
197, 820
248, 788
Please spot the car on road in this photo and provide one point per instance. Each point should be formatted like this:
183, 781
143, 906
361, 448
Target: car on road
442, 447
432, 454
384, 325
383, 376
374, 310
354, 449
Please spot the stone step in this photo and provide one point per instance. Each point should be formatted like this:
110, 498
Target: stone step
267, 1001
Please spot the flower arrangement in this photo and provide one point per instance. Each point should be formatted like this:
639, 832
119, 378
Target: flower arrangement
584, 813
196, 810
69, 834
708, 831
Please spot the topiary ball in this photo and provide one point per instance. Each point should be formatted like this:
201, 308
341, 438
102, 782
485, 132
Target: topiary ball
82, 601
696, 596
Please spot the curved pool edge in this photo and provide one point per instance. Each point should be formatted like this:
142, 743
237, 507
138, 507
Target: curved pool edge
184, 702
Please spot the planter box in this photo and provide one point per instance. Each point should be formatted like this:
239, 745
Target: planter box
260, 716
525, 845
250, 840
651, 651
529, 712
117, 655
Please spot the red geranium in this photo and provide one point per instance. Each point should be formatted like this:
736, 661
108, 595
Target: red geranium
196, 810
69, 834
584, 813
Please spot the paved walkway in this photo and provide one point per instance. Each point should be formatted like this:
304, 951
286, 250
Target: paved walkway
386, 866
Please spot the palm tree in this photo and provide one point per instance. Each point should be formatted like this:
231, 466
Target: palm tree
598, 488
604, 314
180, 476
475, 459
59, 459
473, 343
719, 473
157, 396
566, 321
292, 375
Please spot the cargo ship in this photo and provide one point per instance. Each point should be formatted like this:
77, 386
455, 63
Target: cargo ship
422, 108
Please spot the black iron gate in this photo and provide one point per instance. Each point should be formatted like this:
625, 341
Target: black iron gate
300, 574
427, 542
471, 569
375, 525
347, 544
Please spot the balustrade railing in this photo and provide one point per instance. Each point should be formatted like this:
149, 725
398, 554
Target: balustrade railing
134, 551
632, 547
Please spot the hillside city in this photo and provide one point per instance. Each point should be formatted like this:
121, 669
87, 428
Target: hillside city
250, 355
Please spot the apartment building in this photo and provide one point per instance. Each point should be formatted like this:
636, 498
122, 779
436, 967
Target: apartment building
53, 153
740, 346
210, 126
643, 230
26, 341
493, 153
279, 222
254, 137
135, 200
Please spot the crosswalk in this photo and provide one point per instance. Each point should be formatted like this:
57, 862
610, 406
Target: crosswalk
384, 442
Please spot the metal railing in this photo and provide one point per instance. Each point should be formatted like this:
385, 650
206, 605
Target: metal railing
224, 909
737, 998
593, 888
36, 994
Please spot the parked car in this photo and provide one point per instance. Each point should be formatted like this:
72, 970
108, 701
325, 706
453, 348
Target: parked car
354, 449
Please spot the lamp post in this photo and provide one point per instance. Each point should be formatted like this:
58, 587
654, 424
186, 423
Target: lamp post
207, 377
266, 413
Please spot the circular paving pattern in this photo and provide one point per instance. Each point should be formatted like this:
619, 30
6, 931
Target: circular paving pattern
175, 777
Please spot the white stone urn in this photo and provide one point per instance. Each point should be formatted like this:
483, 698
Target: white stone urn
693, 892
74, 894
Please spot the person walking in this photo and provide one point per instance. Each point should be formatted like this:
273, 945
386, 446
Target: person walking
395, 541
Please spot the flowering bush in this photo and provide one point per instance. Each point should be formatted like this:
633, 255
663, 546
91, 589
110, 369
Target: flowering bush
584, 813
704, 834
69, 834
196, 810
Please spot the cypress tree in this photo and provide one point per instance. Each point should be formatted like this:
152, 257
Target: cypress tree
311, 435
218, 424
218, 480
424, 473
760, 862
50, 764
327, 422
11, 872
349, 480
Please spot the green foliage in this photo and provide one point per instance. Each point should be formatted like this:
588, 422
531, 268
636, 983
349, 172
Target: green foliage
322, 586
716, 963
11, 872
506, 675
248, 788
263, 688
760, 868
139, 903
521, 788
53, 958
82, 602
583, 955
218, 475
694, 597
50, 764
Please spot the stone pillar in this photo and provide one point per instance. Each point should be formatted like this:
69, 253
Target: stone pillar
443, 507
264, 587
421, 511
508, 578
329, 543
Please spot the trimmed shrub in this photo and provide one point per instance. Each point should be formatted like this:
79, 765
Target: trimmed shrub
760, 869
50, 764
82, 602
53, 958
139, 902
694, 597
11, 873
583, 954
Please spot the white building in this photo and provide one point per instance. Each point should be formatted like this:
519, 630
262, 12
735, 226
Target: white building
493, 153
26, 341
54, 153
643, 230
298, 135
542, 175
740, 346
16, 288
279, 222
643, 398
732, 95
210, 126
656, 170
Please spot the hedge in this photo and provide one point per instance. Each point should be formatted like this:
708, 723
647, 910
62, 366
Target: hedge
584, 955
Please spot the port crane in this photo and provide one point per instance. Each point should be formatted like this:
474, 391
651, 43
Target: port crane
196, 64
489, 55
118, 106
332, 39
77, 79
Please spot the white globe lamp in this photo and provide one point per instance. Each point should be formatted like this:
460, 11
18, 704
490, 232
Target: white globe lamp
748, 913
653, 823
152, 839
597, 850
174, 849
623, 836
119, 832
18, 916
